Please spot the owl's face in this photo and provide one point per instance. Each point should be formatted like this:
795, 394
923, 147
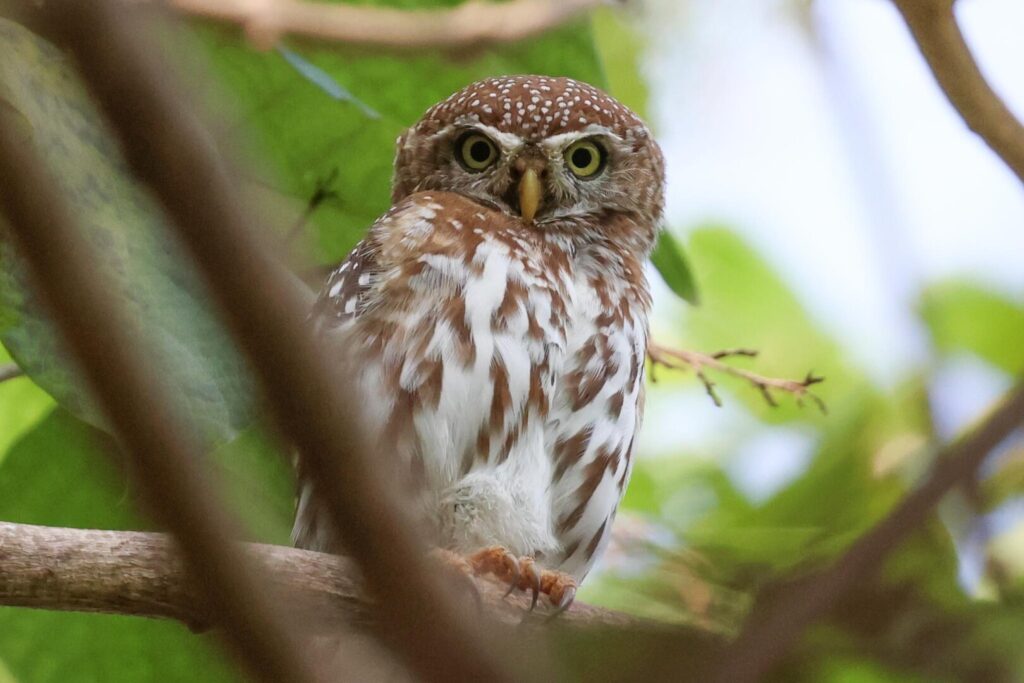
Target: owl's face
556, 153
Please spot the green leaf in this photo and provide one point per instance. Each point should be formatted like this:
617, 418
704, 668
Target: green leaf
259, 484
153, 282
22, 405
670, 260
621, 47
962, 316
61, 474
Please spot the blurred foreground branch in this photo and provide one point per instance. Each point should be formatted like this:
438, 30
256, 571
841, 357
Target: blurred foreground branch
159, 445
308, 398
680, 359
933, 25
474, 23
143, 574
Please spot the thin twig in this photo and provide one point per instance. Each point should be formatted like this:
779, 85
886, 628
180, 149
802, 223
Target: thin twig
775, 626
10, 371
167, 463
142, 574
933, 25
309, 397
681, 359
321, 194
471, 24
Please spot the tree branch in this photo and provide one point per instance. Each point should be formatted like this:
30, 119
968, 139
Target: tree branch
474, 23
680, 359
142, 574
933, 25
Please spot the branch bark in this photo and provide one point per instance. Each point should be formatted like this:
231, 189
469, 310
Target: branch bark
474, 23
933, 25
143, 574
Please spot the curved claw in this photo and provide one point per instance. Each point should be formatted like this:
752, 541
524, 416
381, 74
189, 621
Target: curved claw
522, 573
568, 596
534, 576
512, 564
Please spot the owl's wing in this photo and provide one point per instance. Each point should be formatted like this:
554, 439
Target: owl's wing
344, 295
342, 299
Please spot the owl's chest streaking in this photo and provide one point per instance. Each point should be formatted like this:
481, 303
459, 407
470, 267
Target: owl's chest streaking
500, 369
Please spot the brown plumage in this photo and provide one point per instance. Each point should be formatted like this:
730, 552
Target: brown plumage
497, 315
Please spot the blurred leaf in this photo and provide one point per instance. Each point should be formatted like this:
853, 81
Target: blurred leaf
962, 316
259, 484
620, 46
22, 404
60, 474
154, 284
670, 260
309, 136
851, 669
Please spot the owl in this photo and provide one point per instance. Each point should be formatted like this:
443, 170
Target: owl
494, 322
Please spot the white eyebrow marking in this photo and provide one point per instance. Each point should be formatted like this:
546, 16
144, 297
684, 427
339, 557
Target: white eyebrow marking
509, 142
556, 143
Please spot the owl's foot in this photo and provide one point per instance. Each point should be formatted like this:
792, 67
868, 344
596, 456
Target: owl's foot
523, 573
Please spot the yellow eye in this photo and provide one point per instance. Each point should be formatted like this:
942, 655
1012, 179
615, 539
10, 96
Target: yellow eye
476, 152
584, 158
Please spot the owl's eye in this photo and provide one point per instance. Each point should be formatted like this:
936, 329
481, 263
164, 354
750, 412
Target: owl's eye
475, 152
585, 158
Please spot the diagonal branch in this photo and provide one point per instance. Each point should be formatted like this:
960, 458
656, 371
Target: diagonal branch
474, 23
681, 359
774, 626
934, 27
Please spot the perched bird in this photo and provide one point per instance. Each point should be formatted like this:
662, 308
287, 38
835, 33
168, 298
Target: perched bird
496, 322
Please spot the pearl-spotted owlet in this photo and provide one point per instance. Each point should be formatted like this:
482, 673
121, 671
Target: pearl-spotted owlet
496, 321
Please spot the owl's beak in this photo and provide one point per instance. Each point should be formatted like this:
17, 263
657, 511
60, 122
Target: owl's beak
531, 192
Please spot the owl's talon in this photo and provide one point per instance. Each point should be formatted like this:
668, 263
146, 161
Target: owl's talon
564, 602
521, 573
512, 564
534, 577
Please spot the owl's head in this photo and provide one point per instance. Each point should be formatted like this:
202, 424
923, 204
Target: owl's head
556, 153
